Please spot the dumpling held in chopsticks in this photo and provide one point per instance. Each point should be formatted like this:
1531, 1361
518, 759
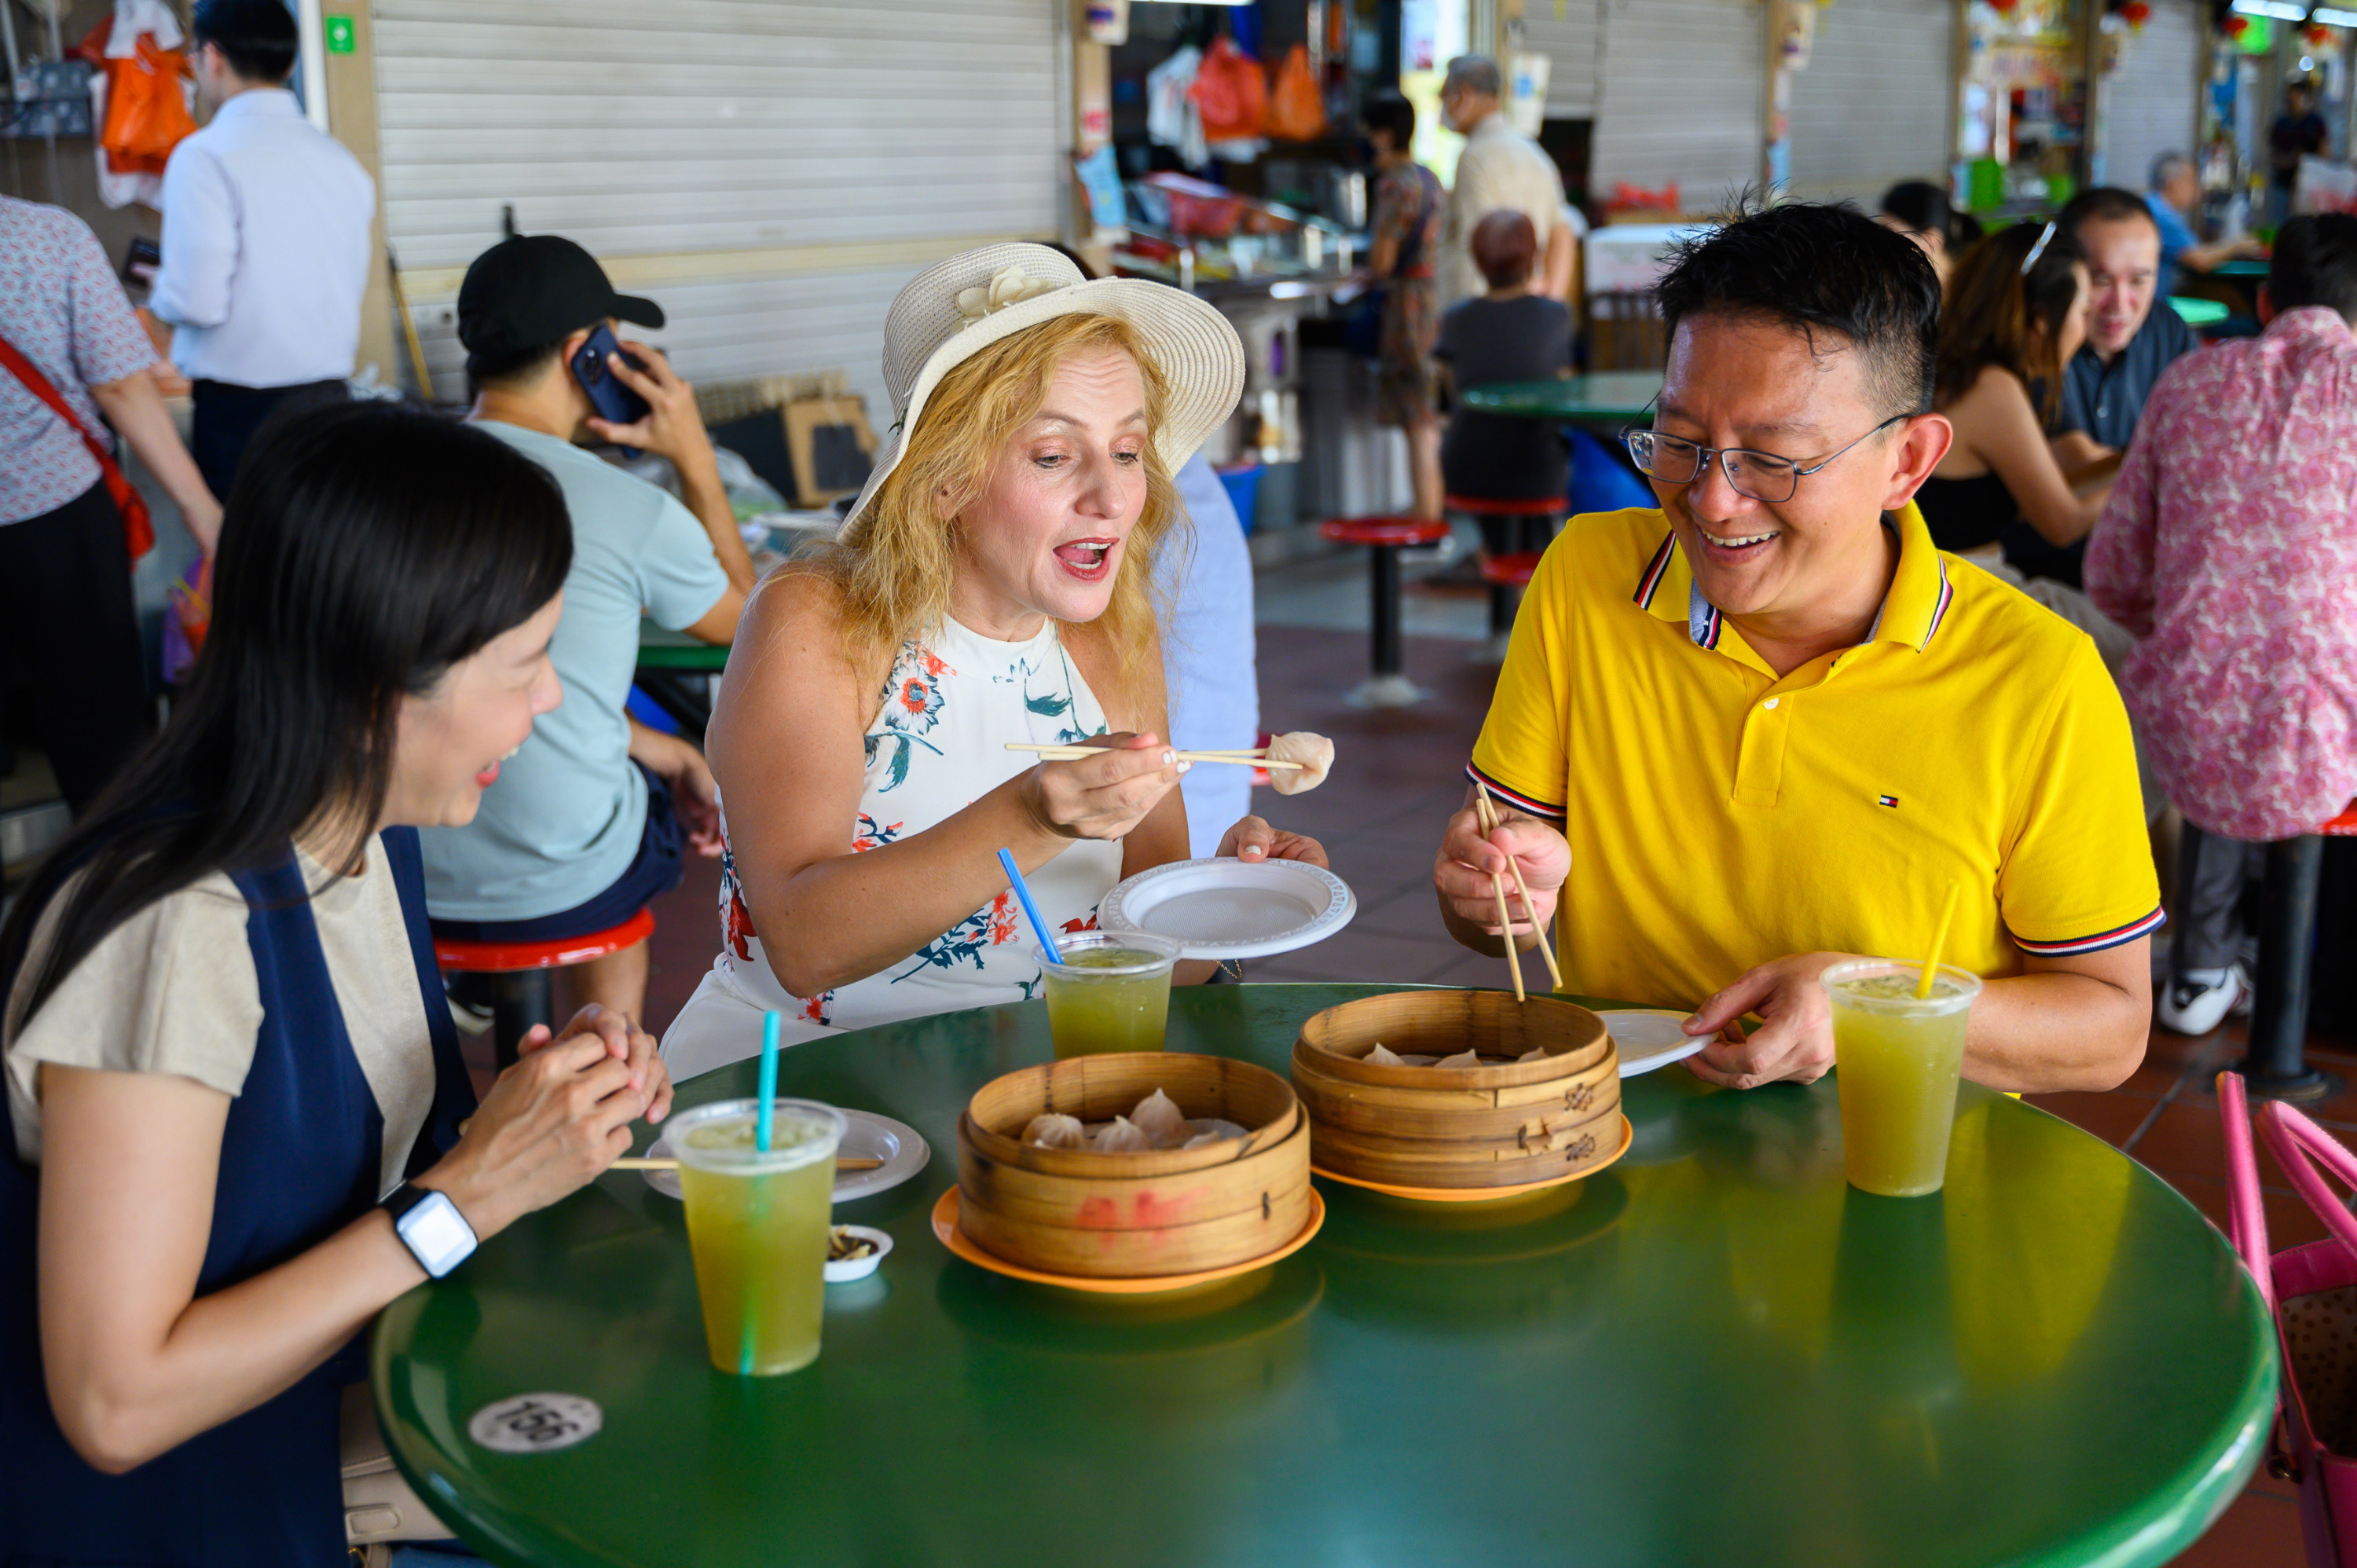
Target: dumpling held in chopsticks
1315, 753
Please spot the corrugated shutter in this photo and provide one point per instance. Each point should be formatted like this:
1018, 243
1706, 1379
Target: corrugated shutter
1873, 106
769, 171
1683, 97
1566, 32
2149, 102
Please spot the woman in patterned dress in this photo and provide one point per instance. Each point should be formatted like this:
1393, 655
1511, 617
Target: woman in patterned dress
991, 586
1408, 210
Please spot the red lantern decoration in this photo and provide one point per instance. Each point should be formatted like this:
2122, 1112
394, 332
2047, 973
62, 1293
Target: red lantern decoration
2236, 26
2317, 35
2136, 13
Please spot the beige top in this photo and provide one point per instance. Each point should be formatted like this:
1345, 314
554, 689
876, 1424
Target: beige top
1500, 167
173, 990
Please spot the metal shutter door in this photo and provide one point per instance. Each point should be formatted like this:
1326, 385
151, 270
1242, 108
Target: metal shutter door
1874, 105
2149, 104
769, 171
1682, 95
1566, 32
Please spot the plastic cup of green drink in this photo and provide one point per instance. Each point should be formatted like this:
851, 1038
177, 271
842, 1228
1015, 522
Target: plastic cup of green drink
1111, 993
756, 1224
1896, 1061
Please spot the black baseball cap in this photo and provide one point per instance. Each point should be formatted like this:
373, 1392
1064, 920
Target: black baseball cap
531, 290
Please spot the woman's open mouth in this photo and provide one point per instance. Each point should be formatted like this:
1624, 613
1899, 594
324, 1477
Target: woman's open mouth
1087, 560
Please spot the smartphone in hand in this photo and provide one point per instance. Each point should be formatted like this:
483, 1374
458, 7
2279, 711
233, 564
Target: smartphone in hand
615, 402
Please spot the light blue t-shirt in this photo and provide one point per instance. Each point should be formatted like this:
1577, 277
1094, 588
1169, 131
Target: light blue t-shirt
564, 819
1207, 654
2176, 239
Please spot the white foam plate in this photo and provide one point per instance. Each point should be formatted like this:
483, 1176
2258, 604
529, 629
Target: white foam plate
1228, 908
868, 1137
1648, 1037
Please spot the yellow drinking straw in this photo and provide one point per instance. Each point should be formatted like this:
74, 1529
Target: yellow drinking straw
1939, 942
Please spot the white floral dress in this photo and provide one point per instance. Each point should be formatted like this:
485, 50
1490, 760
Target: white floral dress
937, 744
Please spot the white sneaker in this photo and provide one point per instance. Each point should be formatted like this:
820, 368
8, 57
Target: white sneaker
2197, 1002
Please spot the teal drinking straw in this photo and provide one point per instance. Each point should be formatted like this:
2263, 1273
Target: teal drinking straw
1023, 893
764, 1118
764, 1125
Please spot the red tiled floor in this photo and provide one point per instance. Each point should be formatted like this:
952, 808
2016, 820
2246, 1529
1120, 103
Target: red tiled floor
2115, 1117
2260, 1530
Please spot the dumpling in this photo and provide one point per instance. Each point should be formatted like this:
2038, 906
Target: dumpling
1052, 1131
1382, 1057
1122, 1137
1468, 1057
1314, 752
1536, 1054
1202, 1139
1158, 1117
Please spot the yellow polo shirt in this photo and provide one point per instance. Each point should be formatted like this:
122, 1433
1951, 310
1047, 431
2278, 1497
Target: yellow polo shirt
1720, 817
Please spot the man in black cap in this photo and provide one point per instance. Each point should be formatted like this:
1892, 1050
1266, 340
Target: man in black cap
586, 822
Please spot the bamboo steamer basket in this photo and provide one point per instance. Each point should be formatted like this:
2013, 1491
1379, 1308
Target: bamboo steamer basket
1496, 1125
1129, 1216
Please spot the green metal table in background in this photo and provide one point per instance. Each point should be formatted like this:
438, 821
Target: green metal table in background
1605, 397
2199, 312
672, 670
1713, 1352
2240, 267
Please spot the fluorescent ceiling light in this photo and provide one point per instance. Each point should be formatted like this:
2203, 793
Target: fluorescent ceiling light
2332, 18
2281, 10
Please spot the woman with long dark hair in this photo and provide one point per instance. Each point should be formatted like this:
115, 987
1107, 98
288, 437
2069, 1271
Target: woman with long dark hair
2015, 311
225, 1043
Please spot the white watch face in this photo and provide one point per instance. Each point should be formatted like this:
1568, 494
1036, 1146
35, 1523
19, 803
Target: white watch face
437, 1234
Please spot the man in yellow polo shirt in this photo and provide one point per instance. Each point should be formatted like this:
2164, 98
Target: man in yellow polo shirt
1766, 726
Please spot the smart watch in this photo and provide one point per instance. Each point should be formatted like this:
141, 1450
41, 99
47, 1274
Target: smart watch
431, 1226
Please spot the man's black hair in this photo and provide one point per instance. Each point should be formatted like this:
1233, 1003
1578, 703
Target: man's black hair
1819, 268
516, 365
2316, 263
2109, 203
258, 38
1393, 115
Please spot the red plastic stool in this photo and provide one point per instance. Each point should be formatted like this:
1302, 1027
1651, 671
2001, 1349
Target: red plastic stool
1509, 528
518, 973
2277, 1063
1384, 538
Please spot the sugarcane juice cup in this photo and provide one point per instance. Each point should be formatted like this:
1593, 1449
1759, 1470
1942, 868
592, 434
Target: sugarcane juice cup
1895, 1059
756, 1224
1111, 993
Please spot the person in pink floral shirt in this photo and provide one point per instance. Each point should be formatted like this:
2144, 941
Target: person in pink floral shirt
2229, 550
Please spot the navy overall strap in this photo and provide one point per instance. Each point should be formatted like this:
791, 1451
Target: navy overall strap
454, 1092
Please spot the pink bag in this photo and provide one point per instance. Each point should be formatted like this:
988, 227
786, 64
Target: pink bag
2312, 1292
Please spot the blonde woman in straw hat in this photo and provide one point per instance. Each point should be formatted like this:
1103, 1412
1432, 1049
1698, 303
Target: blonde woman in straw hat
991, 586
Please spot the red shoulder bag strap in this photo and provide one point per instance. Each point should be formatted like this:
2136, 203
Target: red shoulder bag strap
138, 527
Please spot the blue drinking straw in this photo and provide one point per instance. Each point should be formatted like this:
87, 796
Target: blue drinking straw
1014, 879
767, 1115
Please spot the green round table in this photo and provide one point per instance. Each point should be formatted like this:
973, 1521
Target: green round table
1713, 1352
1605, 397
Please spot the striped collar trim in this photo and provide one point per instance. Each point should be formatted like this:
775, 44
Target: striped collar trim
2096, 942
1912, 611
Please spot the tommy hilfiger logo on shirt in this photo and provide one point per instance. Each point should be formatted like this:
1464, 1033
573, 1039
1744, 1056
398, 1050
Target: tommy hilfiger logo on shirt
1889, 801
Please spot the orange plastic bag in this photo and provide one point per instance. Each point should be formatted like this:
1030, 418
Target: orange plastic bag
146, 114
1296, 110
1231, 94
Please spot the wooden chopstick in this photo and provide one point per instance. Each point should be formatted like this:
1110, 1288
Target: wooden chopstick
1490, 820
1505, 916
1073, 753
645, 1165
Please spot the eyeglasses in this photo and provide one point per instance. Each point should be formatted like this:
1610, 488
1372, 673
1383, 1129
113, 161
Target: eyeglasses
1762, 476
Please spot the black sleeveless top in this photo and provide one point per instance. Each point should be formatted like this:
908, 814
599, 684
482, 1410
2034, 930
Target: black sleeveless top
1967, 514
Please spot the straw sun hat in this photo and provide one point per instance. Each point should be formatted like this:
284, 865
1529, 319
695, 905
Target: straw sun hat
953, 311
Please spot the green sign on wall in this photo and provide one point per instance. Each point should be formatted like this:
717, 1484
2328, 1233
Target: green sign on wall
339, 35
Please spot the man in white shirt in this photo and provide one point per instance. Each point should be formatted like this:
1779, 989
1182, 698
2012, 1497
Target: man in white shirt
265, 238
1500, 167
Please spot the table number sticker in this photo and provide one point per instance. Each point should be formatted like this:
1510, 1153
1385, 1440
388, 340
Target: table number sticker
536, 1423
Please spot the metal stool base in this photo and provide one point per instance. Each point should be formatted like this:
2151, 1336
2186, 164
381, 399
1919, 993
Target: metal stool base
1386, 691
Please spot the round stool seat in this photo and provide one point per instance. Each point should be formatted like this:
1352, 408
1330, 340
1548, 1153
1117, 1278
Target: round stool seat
1385, 530
508, 958
1545, 506
2344, 825
1511, 571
